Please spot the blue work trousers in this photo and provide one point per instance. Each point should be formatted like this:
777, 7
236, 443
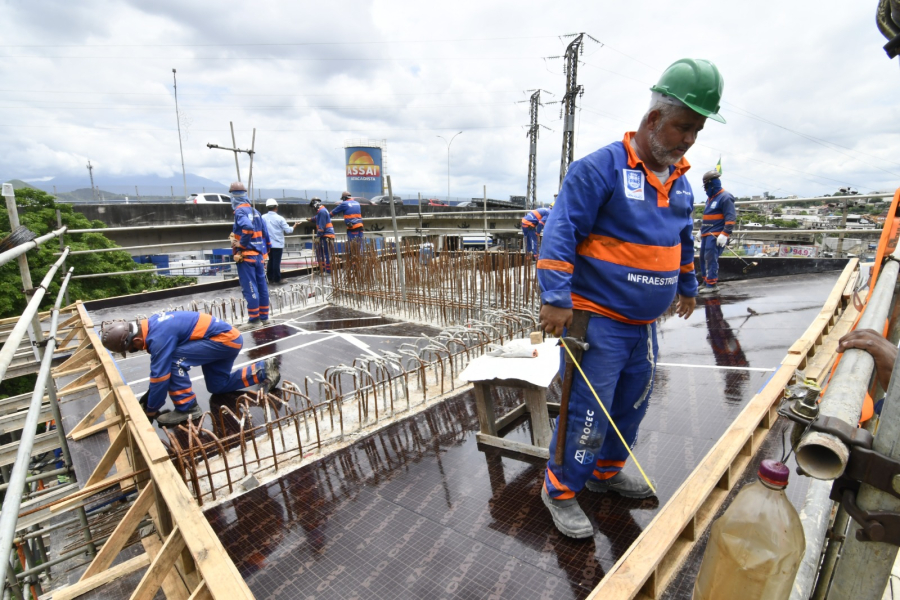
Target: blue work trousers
216, 360
709, 259
355, 234
252, 275
323, 254
620, 365
531, 245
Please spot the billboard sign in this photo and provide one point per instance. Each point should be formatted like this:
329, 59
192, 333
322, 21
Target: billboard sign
364, 174
797, 251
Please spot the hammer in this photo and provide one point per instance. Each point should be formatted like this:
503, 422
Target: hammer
576, 344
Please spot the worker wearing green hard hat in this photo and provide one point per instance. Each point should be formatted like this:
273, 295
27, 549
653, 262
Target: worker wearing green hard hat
696, 83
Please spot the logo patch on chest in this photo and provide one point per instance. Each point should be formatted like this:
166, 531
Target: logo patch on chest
634, 184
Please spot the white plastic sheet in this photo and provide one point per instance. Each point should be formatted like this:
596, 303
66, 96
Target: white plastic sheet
538, 371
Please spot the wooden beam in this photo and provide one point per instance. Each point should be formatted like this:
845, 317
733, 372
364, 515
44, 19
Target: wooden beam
161, 566
121, 533
101, 426
79, 496
173, 586
201, 593
88, 377
93, 415
86, 585
74, 363
109, 458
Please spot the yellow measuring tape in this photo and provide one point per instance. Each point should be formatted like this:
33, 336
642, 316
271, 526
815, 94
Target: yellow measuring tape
605, 412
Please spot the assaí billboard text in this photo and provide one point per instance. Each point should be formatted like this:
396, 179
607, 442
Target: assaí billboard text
361, 165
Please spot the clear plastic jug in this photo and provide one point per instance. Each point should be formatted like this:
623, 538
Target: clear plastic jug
755, 548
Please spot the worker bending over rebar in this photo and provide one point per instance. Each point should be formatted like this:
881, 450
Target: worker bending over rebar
618, 248
177, 341
532, 226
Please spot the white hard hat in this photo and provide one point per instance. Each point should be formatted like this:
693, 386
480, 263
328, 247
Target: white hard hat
271, 202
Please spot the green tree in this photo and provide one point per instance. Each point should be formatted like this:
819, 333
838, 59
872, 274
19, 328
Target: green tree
37, 212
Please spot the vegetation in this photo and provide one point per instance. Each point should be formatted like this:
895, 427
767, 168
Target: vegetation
37, 212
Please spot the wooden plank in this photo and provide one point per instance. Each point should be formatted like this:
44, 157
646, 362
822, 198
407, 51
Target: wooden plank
93, 429
160, 567
511, 416
95, 413
116, 541
484, 406
172, 585
75, 362
201, 593
806, 341
819, 368
79, 496
536, 400
88, 377
109, 458
499, 442
86, 585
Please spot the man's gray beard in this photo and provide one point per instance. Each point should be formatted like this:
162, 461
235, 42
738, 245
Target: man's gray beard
659, 152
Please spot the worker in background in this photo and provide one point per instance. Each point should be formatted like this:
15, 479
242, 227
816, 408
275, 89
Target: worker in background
177, 341
620, 248
324, 234
532, 225
352, 214
250, 246
277, 226
718, 221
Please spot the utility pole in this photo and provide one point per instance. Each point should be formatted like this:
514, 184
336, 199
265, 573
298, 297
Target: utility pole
573, 91
178, 120
236, 151
533, 129
91, 173
448, 162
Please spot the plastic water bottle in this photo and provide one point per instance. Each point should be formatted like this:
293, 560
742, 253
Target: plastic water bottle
755, 548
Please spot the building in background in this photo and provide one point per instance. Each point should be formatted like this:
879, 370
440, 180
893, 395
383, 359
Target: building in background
365, 162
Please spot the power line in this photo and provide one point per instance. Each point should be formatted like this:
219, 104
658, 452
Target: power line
268, 44
268, 94
198, 107
277, 58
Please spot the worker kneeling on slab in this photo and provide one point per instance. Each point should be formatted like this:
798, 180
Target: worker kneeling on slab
618, 248
176, 342
718, 221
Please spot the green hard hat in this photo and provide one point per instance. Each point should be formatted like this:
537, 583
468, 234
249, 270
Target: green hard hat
697, 83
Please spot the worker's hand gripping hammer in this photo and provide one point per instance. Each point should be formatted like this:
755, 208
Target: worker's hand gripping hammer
576, 344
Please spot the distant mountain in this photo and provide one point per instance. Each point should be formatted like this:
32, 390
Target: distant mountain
124, 184
18, 184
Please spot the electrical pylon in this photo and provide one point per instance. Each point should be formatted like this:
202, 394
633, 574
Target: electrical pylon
533, 131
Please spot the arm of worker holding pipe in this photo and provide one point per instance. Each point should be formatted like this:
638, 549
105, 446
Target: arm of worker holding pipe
687, 277
584, 192
883, 351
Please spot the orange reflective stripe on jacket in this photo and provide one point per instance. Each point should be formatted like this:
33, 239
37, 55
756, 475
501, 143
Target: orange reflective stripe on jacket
628, 254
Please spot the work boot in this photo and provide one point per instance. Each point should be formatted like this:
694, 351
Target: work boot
568, 517
709, 289
622, 484
273, 374
177, 417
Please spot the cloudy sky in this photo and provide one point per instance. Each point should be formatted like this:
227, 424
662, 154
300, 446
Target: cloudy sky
812, 101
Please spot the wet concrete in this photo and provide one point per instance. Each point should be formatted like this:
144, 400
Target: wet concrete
418, 510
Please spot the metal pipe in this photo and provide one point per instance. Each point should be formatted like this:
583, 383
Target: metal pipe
397, 240
9, 514
15, 337
815, 198
21, 249
832, 551
39, 476
814, 517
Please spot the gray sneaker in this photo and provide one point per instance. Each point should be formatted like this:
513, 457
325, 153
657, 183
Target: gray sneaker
273, 374
622, 484
708, 289
568, 517
177, 417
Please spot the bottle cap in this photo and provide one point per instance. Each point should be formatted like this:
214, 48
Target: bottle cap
773, 472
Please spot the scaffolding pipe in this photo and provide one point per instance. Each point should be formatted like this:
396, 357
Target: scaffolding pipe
15, 337
814, 517
822, 455
9, 514
21, 249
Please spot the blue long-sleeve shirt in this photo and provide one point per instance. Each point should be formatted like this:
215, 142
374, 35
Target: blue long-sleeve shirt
164, 332
619, 242
718, 214
251, 230
351, 212
324, 228
536, 218
277, 226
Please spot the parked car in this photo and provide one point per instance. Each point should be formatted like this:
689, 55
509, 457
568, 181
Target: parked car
384, 200
209, 198
362, 201
436, 202
468, 204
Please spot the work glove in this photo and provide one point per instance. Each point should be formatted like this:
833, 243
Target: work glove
721, 240
151, 415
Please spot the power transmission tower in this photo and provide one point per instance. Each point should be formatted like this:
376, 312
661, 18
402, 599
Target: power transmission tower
533, 130
91, 173
573, 91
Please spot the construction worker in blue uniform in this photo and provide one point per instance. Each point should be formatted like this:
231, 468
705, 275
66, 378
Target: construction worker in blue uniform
177, 341
250, 246
324, 234
718, 222
349, 209
618, 250
532, 225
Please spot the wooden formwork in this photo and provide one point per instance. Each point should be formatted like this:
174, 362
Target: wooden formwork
183, 556
653, 560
